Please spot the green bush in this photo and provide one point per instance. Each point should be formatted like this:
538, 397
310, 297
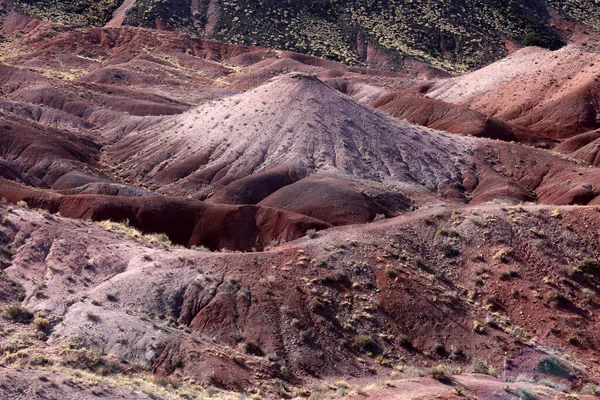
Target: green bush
532, 38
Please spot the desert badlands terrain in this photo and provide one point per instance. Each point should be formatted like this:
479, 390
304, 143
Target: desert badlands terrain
192, 216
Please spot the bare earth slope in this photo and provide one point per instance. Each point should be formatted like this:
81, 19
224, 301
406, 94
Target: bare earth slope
405, 292
294, 122
552, 93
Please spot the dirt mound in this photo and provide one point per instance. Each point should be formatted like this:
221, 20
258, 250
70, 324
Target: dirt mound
337, 200
282, 125
506, 170
583, 147
358, 90
44, 152
118, 76
9, 172
256, 143
44, 115
106, 188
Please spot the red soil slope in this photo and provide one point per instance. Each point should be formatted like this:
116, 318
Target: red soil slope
415, 286
555, 94
448, 117
185, 222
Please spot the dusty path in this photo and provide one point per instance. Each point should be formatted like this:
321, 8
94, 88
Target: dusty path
119, 15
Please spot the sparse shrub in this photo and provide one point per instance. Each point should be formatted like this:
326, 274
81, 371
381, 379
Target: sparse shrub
201, 249
366, 344
339, 277
111, 297
491, 321
558, 298
440, 349
159, 239
588, 294
456, 353
419, 262
88, 265
526, 394
477, 327
41, 323
440, 373
589, 266
311, 233
516, 332
574, 341
90, 360
592, 388
448, 233
317, 304
166, 381
493, 303
121, 227
506, 275
379, 217
552, 366
537, 232
450, 251
93, 317
22, 204
406, 343
480, 367
391, 273
252, 348
38, 359
503, 255
17, 313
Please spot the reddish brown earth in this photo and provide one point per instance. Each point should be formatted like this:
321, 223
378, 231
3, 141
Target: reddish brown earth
555, 94
192, 215
185, 222
440, 265
443, 116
